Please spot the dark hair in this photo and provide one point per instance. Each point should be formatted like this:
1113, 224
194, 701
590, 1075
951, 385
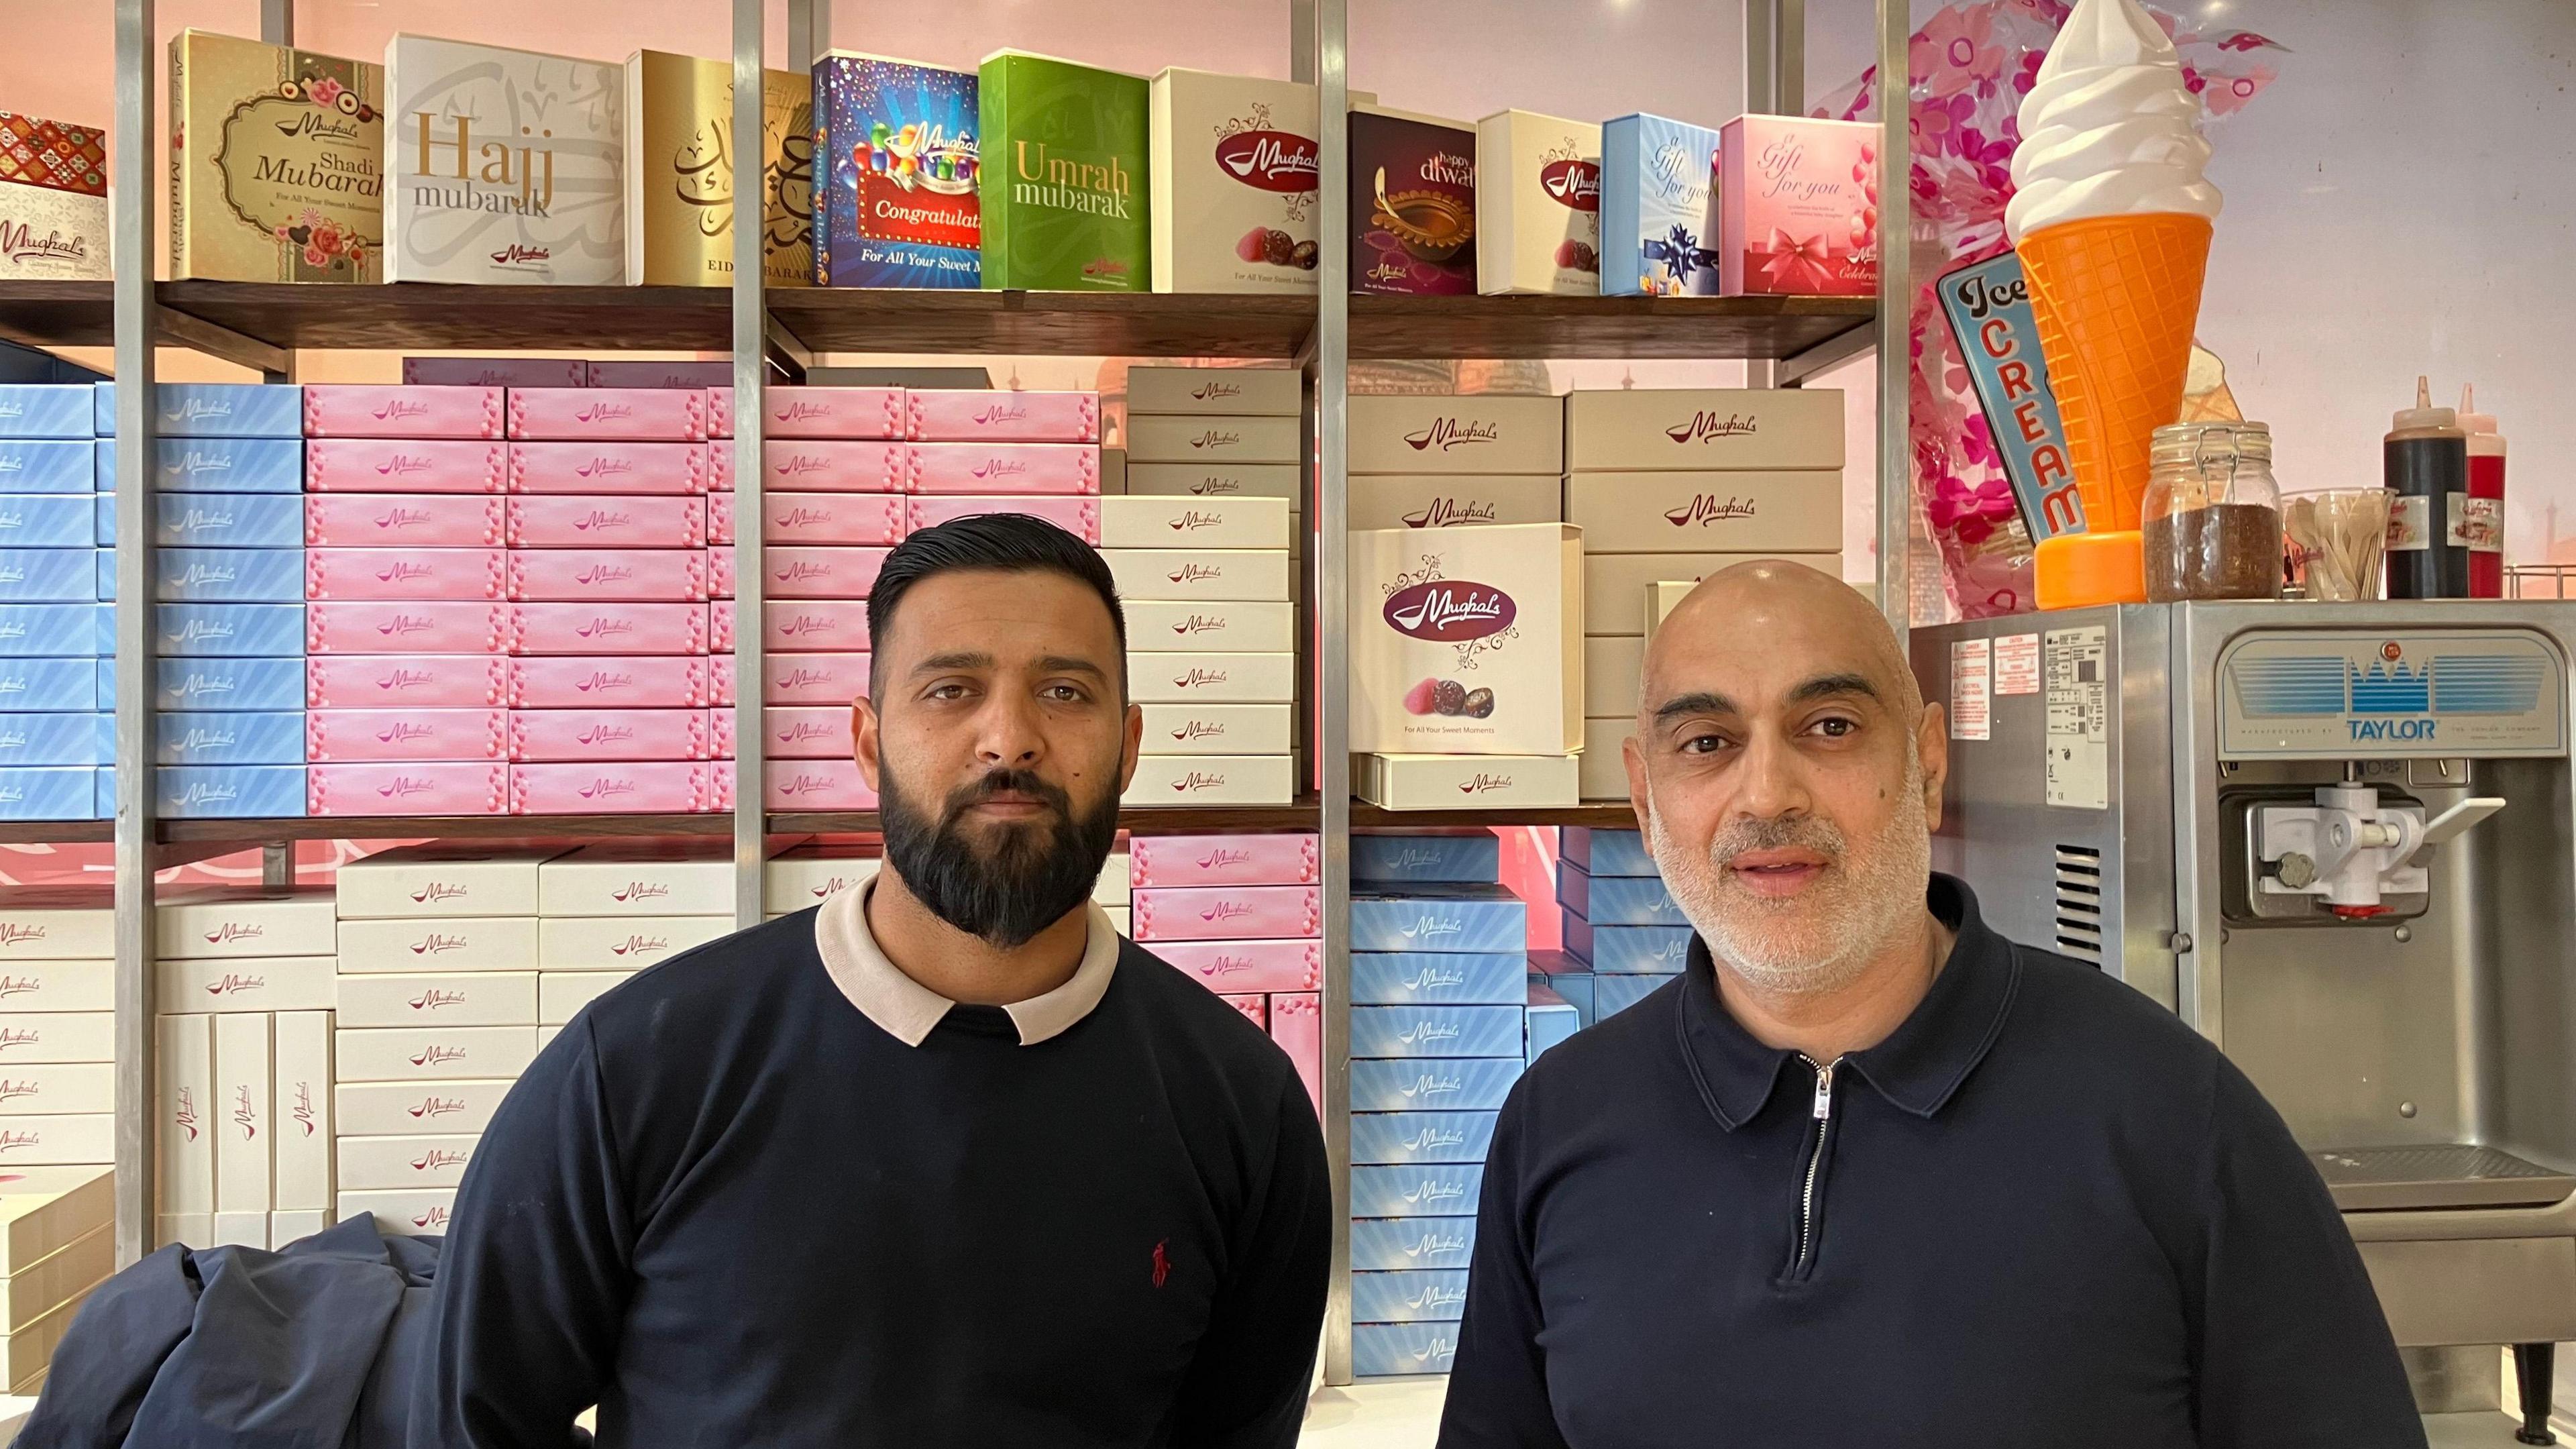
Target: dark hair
1011, 543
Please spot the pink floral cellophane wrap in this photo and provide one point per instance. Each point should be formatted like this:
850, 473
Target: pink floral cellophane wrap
1971, 66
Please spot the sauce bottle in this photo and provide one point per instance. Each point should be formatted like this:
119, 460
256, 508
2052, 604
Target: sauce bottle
2426, 458
2484, 530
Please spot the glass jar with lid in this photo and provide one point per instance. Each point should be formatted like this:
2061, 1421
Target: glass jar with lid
2212, 514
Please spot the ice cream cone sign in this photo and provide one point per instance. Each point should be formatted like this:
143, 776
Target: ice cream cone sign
2111, 215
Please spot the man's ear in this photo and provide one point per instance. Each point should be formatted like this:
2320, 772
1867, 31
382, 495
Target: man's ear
863, 735
1932, 744
1135, 745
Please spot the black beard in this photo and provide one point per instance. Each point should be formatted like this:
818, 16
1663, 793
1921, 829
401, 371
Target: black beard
1035, 873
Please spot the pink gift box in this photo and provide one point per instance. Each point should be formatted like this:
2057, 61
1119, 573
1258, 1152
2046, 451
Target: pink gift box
720, 412
720, 466
830, 412
620, 469
552, 735
411, 520
1247, 965
368, 626
1077, 516
406, 681
1795, 208
839, 518
1255, 1009
337, 736
623, 373
370, 410
496, 371
1208, 860
821, 573
720, 730
816, 785
825, 467
720, 576
806, 732
626, 575
627, 413
453, 788
666, 787
1226, 913
566, 520
720, 672
1297, 1024
829, 680
982, 468
446, 574
720, 518
1015, 417
831, 625
608, 629
640, 682
404, 465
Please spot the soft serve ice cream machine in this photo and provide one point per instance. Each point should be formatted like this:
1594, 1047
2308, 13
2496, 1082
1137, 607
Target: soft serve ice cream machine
2340, 841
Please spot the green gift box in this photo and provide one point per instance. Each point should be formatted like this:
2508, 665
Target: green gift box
1062, 185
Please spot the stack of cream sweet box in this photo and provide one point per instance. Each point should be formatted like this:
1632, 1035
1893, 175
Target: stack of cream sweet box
1438, 1036
1466, 643
57, 1035
56, 1244
247, 981
1244, 915
54, 634
1672, 485
1204, 546
228, 582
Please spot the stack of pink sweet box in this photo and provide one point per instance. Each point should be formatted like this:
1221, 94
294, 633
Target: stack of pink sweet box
848, 473
1244, 915
508, 600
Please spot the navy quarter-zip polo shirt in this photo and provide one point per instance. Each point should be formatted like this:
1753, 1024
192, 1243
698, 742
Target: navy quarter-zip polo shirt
2043, 1212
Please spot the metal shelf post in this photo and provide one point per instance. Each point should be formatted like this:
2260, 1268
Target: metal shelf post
750, 351
1895, 310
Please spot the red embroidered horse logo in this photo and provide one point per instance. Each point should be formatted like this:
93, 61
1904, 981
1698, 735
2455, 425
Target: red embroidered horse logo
1162, 1263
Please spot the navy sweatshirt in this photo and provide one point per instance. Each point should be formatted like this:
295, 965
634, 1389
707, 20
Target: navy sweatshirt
732, 1211
2043, 1212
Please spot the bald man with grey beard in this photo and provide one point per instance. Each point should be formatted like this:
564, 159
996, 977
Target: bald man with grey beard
1868, 1172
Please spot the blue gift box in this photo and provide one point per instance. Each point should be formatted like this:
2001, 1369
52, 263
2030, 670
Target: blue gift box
218, 575
1614, 994
1405, 978
1627, 950
1424, 1190
1402, 1350
29, 631
50, 684
46, 465
1406, 859
1436, 1031
229, 465
1656, 186
64, 792
1436, 1295
1396, 1138
1484, 918
227, 792
228, 631
245, 737
1572, 986
1607, 852
1380, 1245
224, 685
48, 410
1616, 900
1552, 1018
1443, 1084
215, 410
49, 520
71, 738
51, 575
215, 520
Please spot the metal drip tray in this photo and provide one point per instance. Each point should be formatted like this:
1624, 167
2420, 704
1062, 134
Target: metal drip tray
2457, 1175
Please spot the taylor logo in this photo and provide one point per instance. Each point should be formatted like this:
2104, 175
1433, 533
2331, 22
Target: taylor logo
1271, 160
230, 931
21, 245
438, 943
1481, 782
1449, 611
1446, 512
1198, 678
430, 1107
515, 255
230, 984
1708, 427
1572, 183
436, 891
1198, 780
1198, 624
1447, 432
1198, 729
436, 1055
245, 1115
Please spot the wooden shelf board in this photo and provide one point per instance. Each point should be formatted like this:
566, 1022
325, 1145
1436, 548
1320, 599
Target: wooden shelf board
1135, 324
55, 832
1621, 327
1600, 816
1302, 815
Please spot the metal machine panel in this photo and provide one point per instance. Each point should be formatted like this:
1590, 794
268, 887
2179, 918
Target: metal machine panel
2412, 693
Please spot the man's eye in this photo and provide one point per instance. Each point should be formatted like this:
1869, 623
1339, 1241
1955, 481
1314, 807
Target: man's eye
1836, 728
1703, 744
946, 691
1063, 693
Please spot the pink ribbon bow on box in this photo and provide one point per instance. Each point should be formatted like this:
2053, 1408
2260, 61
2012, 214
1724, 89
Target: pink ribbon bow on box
1795, 266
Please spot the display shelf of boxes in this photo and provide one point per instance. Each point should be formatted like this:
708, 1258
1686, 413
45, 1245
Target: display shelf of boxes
57, 1035
1242, 914
56, 689
1623, 934
56, 1244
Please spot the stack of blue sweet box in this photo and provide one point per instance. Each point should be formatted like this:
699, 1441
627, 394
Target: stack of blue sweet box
228, 591
56, 730
1439, 962
1624, 937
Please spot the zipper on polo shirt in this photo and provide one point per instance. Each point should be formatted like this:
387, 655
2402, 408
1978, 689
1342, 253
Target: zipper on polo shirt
1821, 1113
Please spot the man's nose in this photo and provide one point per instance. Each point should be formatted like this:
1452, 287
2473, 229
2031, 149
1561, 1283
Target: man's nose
1771, 780
1006, 732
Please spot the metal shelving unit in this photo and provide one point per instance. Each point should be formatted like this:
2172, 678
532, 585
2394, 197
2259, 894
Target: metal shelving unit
262, 326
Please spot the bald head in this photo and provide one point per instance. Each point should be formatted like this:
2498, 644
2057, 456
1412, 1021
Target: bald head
1780, 610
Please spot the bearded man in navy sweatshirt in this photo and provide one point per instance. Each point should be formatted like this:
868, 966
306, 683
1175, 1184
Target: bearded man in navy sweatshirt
942, 1161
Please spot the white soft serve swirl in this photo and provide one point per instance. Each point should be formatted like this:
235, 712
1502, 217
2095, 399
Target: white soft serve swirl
2110, 128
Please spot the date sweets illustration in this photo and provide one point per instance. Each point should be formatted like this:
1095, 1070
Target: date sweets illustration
1268, 245
1449, 697
1577, 256
1480, 703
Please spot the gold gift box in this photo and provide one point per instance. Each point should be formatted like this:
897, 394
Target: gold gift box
277, 163
679, 165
